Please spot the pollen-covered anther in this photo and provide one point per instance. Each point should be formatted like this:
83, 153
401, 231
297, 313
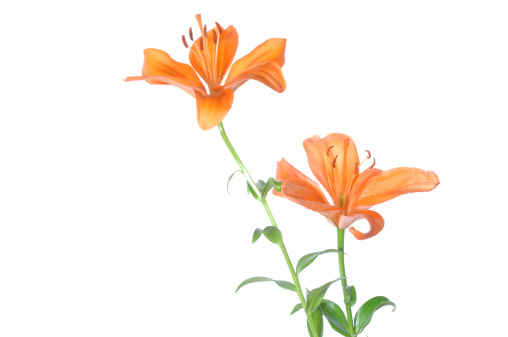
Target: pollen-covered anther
356, 169
184, 42
214, 36
371, 166
204, 31
334, 160
328, 151
218, 27
368, 154
190, 34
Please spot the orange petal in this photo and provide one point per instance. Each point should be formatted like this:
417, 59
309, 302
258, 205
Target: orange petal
268, 73
395, 182
300, 189
334, 161
219, 57
358, 185
376, 223
160, 68
270, 50
213, 108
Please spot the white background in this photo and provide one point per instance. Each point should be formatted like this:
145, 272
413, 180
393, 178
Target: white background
114, 215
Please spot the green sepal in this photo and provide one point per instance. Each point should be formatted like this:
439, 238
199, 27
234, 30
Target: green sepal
349, 295
296, 308
306, 260
231, 177
335, 317
315, 296
364, 314
317, 319
283, 284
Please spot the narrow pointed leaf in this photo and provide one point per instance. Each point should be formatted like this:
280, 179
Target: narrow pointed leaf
283, 284
349, 295
273, 234
257, 234
316, 296
364, 314
231, 177
306, 260
335, 316
317, 319
296, 308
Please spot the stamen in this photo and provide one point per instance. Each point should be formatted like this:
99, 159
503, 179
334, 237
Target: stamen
356, 169
201, 44
204, 29
334, 160
328, 151
371, 166
219, 27
368, 152
184, 42
190, 34
214, 36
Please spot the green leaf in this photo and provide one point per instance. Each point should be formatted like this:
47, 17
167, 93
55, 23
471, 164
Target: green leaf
335, 317
317, 319
306, 260
349, 295
257, 234
296, 308
283, 284
316, 296
273, 234
364, 314
231, 177
270, 183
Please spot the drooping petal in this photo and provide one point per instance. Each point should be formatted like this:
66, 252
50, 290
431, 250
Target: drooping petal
302, 190
376, 223
160, 68
270, 50
334, 161
213, 108
395, 182
268, 73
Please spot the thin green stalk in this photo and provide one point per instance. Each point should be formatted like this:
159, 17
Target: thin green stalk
342, 268
257, 193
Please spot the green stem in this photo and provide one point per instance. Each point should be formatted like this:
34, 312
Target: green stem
342, 268
257, 193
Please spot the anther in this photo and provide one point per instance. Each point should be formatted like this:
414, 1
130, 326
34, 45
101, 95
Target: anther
201, 43
184, 42
214, 36
374, 163
356, 169
334, 160
204, 31
190, 34
368, 152
219, 27
328, 151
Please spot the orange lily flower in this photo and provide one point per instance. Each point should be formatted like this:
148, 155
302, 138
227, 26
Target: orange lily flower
210, 57
334, 161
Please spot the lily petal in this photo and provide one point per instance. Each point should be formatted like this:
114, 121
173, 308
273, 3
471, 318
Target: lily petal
213, 108
270, 50
220, 54
395, 182
358, 186
268, 73
160, 68
334, 161
302, 190
375, 220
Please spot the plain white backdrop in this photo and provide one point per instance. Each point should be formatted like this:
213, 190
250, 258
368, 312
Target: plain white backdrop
114, 215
